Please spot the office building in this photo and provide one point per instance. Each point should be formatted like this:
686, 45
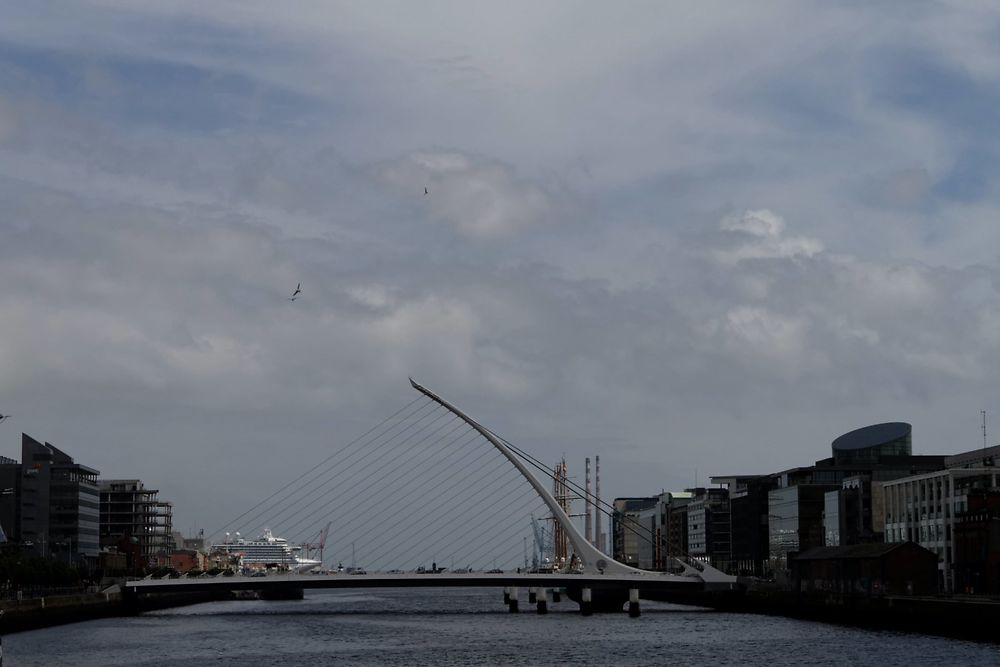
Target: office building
58, 505
926, 509
709, 533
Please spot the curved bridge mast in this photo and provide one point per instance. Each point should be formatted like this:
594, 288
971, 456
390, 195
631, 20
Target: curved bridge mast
594, 562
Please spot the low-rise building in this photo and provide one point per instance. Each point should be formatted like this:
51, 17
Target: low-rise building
185, 560
904, 568
977, 544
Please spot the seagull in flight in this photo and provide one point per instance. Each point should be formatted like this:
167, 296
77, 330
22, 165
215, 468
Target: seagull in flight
425, 190
295, 294
4, 417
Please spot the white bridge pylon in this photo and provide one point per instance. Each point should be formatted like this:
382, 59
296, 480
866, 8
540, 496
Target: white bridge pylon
594, 562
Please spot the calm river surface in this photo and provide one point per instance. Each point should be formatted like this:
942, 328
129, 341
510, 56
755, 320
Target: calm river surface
467, 627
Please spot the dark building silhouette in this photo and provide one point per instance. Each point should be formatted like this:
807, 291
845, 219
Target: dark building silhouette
903, 568
709, 533
845, 488
58, 504
977, 544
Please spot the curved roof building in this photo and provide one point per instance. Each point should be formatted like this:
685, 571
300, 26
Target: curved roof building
872, 443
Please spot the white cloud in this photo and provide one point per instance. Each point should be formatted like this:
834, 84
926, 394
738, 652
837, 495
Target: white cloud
761, 235
480, 198
771, 343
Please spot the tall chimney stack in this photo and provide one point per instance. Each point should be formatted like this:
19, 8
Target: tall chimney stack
587, 530
598, 535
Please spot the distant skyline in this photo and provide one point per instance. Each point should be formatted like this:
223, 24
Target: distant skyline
690, 239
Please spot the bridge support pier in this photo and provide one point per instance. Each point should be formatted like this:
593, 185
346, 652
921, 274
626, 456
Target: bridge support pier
633, 602
556, 596
512, 603
506, 595
532, 595
586, 602
543, 601
130, 601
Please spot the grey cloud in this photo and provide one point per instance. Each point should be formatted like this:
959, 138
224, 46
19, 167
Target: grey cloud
724, 280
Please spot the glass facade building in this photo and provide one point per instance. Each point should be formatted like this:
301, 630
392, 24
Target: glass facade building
795, 520
871, 444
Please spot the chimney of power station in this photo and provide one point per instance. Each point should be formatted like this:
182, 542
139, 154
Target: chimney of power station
598, 535
587, 528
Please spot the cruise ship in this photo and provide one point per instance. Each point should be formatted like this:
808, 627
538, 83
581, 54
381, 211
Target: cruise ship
266, 551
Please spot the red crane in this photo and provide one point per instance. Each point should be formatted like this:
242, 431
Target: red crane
317, 546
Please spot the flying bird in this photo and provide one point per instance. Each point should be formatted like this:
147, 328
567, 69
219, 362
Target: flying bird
4, 417
295, 294
425, 190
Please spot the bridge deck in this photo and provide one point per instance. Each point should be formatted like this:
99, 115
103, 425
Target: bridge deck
651, 582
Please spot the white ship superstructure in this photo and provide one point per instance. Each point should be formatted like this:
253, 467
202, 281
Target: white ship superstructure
266, 551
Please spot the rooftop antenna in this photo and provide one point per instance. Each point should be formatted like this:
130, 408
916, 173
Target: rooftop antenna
984, 428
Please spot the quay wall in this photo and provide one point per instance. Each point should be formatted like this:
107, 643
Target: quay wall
44, 612
959, 617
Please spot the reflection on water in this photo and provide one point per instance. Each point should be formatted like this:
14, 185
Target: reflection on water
467, 627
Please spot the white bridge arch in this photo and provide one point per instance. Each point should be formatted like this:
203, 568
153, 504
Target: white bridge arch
594, 562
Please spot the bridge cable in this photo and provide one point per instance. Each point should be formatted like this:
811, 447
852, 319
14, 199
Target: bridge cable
359, 480
469, 512
305, 491
402, 468
442, 490
414, 477
360, 437
428, 513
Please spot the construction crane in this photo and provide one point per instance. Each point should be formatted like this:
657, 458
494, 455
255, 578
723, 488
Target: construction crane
542, 543
317, 547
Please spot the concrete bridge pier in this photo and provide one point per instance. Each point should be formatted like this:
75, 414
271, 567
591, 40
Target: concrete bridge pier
130, 601
556, 595
512, 602
506, 595
543, 601
586, 601
532, 595
633, 602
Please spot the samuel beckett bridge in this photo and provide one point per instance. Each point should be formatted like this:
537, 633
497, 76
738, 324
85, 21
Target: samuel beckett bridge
432, 498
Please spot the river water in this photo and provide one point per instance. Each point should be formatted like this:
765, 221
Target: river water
467, 627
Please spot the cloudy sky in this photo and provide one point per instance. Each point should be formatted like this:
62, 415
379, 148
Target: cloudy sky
691, 238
